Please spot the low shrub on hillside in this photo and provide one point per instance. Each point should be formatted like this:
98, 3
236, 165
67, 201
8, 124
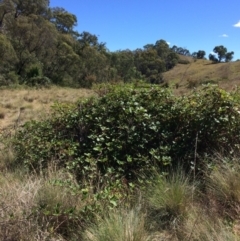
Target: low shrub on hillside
128, 131
183, 61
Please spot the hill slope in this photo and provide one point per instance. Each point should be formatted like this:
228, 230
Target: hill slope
185, 76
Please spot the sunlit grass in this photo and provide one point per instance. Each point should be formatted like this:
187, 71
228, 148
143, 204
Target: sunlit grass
202, 225
196, 73
27, 104
127, 225
33, 208
223, 186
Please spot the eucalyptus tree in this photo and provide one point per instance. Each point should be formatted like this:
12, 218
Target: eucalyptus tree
220, 51
8, 59
201, 54
23, 8
213, 58
229, 56
63, 20
166, 54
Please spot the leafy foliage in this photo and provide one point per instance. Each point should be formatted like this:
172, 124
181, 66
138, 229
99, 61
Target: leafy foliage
127, 131
199, 55
213, 58
180, 50
222, 53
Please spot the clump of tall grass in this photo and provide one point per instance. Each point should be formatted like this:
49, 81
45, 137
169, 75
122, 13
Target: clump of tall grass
16, 204
60, 203
169, 197
6, 157
202, 225
118, 225
33, 208
223, 186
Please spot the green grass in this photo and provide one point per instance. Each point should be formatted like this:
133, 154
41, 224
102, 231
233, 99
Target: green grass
127, 225
168, 199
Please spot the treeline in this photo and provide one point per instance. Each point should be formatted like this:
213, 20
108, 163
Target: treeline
39, 46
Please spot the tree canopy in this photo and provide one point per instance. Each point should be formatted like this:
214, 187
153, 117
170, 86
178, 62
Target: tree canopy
222, 53
41, 42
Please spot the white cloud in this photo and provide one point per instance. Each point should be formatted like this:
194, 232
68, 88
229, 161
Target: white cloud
168, 43
237, 25
224, 35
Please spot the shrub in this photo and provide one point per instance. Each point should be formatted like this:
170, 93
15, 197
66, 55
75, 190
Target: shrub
183, 61
113, 134
39, 81
128, 131
34, 71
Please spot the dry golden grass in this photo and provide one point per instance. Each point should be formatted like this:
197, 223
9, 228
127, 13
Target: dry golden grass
23, 194
20, 105
185, 76
201, 225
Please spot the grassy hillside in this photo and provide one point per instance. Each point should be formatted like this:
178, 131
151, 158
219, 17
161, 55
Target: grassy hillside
197, 72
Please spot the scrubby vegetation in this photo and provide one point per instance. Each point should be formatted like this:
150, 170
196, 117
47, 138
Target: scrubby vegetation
134, 163
130, 128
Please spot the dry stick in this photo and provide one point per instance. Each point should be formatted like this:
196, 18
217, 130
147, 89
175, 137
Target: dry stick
18, 119
195, 158
194, 163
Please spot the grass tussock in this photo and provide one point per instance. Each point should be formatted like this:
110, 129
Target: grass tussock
223, 185
169, 197
202, 225
127, 225
6, 158
34, 208
2, 115
17, 201
48, 207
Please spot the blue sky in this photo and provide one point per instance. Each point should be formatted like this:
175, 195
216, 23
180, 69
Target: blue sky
131, 24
